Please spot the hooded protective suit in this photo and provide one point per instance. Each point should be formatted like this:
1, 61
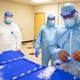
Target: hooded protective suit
68, 38
46, 38
10, 37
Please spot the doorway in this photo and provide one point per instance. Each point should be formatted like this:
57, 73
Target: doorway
39, 20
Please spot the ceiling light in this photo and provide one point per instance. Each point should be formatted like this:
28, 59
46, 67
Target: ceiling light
38, 1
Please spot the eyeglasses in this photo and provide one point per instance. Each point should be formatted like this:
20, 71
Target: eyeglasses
8, 16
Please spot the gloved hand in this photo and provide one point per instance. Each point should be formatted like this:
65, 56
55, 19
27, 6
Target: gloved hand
76, 55
63, 56
37, 52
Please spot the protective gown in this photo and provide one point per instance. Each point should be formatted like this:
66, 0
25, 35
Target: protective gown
68, 39
45, 38
10, 37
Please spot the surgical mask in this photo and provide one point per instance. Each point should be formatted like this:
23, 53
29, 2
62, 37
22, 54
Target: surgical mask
51, 23
8, 20
69, 22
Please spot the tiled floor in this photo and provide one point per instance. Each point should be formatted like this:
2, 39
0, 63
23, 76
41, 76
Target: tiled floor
28, 48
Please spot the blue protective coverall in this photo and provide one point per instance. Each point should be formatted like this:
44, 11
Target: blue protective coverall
45, 38
68, 39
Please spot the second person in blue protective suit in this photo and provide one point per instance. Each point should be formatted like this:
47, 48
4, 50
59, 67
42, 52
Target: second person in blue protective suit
67, 40
46, 38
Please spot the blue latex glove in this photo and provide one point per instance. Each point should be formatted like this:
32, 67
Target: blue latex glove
37, 52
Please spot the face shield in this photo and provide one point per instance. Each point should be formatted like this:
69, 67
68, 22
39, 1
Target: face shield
68, 12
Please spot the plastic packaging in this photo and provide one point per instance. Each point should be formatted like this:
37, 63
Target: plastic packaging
68, 66
46, 74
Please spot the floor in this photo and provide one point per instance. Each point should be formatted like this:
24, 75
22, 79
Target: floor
28, 48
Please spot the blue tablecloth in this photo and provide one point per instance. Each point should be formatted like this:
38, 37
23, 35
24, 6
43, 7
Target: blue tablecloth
62, 75
13, 66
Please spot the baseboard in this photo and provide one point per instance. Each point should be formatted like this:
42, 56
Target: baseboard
28, 41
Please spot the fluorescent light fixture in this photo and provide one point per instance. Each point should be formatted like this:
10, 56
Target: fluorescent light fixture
38, 1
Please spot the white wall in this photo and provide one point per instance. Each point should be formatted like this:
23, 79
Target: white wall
23, 16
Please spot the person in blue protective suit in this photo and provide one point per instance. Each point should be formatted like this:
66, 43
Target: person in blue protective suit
67, 41
45, 38
10, 35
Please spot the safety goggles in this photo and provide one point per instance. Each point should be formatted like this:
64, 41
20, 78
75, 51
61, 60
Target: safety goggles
51, 18
70, 16
8, 16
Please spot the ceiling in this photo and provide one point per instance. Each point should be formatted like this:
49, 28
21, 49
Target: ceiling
52, 1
